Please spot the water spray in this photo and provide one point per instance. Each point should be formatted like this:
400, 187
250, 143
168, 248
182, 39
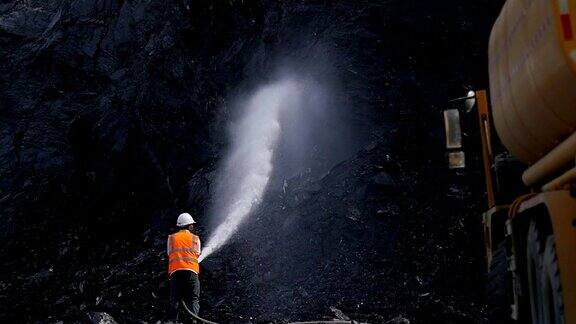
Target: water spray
249, 164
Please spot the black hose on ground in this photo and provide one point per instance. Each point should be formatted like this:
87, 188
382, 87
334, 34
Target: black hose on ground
194, 316
204, 321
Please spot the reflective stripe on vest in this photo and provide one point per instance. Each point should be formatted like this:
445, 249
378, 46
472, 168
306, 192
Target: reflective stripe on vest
183, 259
184, 252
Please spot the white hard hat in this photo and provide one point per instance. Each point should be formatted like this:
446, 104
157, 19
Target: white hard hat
185, 219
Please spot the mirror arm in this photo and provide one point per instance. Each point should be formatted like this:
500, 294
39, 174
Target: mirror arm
462, 98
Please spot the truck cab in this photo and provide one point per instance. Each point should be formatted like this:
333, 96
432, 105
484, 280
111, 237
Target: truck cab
527, 123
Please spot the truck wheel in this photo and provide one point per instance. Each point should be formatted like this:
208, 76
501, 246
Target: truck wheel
497, 288
535, 259
551, 285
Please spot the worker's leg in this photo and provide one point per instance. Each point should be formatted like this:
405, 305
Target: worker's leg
192, 293
195, 293
175, 295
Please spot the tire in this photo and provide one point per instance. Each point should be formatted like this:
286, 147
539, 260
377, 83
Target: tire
498, 287
535, 244
553, 305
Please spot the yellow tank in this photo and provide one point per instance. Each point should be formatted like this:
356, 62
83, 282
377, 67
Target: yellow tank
532, 66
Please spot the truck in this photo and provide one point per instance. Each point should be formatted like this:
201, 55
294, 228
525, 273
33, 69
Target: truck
527, 126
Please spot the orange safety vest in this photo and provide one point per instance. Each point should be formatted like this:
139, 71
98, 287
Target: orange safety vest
183, 252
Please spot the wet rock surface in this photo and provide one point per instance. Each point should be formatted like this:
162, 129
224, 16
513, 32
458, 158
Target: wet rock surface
112, 118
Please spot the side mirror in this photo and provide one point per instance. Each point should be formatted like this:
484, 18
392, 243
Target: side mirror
456, 157
470, 101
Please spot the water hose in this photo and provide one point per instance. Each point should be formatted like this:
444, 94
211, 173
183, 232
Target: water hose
194, 316
205, 321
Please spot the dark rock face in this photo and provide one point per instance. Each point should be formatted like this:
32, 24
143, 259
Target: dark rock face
112, 117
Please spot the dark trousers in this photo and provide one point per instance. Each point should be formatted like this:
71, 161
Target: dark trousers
184, 285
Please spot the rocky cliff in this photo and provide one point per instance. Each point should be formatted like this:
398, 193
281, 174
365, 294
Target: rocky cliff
111, 123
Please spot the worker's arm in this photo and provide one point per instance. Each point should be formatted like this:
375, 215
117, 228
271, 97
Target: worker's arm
199, 245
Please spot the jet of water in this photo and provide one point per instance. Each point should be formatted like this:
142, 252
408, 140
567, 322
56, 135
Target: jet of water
249, 163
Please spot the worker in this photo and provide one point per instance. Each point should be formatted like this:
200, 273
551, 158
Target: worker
183, 267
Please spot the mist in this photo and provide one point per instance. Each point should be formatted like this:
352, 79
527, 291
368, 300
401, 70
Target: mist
286, 127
